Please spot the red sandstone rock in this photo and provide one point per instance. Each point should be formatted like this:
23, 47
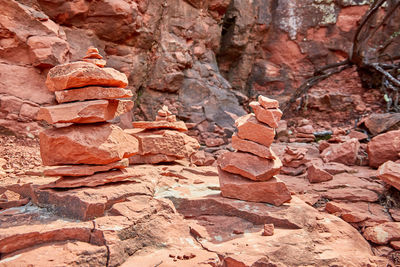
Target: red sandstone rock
395, 245
383, 233
79, 74
178, 125
151, 159
98, 62
250, 166
235, 186
268, 229
213, 142
86, 144
267, 102
249, 128
345, 153
268, 116
383, 147
316, 174
92, 92
251, 147
20, 237
201, 158
164, 112
166, 142
84, 170
355, 212
358, 135
85, 112
305, 129
389, 172
92, 180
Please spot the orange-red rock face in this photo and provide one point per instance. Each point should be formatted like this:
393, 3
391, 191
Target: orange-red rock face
86, 144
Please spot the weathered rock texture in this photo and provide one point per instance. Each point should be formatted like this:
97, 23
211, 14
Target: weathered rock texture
162, 140
187, 53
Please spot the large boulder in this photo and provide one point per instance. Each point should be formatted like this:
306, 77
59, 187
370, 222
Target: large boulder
384, 147
96, 144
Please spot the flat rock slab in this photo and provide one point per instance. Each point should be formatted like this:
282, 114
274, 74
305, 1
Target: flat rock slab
88, 203
177, 125
389, 172
97, 144
92, 92
343, 186
268, 116
68, 253
85, 112
80, 74
251, 129
250, 166
252, 147
84, 170
369, 214
20, 237
166, 142
93, 180
272, 191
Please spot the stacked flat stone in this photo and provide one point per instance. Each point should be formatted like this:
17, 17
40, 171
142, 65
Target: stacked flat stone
249, 173
87, 151
162, 140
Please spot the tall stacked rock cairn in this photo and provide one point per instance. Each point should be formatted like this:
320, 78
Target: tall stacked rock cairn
83, 148
249, 173
162, 140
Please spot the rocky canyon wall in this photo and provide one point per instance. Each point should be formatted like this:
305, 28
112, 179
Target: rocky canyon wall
202, 58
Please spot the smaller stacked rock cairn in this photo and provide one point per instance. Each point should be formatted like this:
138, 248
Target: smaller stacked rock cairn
85, 148
249, 173
162, 140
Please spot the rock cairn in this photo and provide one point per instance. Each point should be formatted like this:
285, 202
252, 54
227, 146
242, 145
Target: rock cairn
249, 173
162, 140
85, 150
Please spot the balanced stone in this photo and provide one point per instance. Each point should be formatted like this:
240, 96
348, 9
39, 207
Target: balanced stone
268, 116
85, 112
92, 92
251, 129
84, 170
235, 186
97, 144
251, 147
79, 74
250, 166
178, 125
